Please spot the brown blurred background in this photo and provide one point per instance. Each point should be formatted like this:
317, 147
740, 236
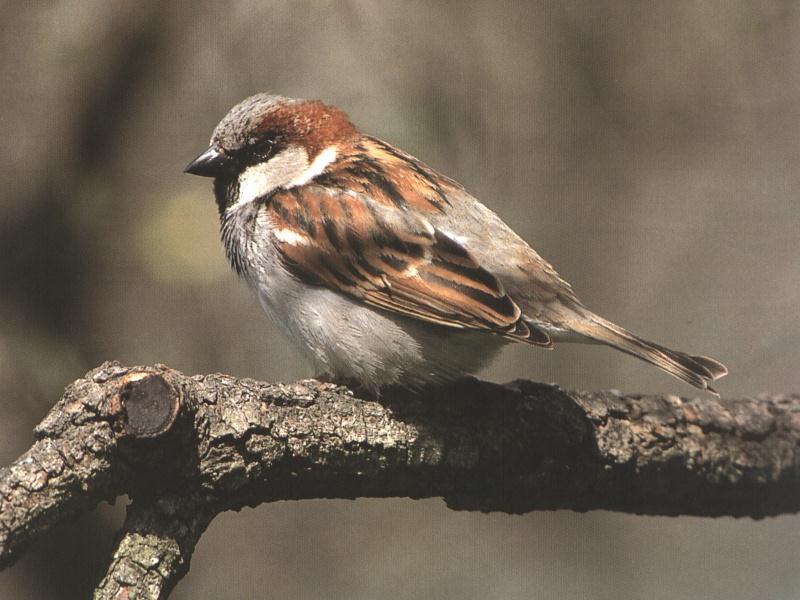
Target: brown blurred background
648, 149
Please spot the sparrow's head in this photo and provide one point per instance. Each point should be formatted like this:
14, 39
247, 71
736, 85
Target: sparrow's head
269, 142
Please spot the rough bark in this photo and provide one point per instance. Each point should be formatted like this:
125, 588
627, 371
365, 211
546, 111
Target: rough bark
186, 448
155, 547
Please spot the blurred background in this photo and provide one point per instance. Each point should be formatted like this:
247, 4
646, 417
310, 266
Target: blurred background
648, 149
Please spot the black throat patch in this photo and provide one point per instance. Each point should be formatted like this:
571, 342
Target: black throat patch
226, 192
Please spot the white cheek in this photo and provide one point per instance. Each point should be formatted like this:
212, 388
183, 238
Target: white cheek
254, 182
258, 180
288, 169
317, 167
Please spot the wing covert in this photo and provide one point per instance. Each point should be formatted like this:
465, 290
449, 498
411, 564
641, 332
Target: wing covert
390, 258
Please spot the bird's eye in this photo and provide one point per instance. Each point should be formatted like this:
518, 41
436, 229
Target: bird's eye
262, 149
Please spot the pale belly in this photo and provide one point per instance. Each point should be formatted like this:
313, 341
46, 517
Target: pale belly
350, 341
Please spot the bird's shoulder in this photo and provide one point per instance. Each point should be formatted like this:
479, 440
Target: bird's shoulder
391, 177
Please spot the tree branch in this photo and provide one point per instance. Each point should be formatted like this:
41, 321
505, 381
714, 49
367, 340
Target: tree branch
186, 448
155, 546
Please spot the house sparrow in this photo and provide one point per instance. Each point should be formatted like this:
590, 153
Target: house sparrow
382, 270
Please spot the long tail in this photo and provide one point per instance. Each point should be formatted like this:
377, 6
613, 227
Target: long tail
695, 370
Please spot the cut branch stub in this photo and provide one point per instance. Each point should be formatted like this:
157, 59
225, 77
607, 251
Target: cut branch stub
147, 404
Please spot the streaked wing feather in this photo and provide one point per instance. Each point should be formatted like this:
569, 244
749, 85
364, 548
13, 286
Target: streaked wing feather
390, 258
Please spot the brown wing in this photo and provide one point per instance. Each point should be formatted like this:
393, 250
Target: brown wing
390, 258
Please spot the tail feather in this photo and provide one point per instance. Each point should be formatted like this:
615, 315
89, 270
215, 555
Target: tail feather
695, 370
716, 368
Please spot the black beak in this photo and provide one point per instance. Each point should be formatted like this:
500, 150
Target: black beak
211, 163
